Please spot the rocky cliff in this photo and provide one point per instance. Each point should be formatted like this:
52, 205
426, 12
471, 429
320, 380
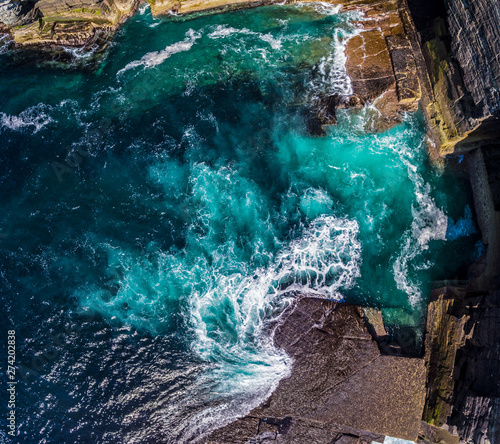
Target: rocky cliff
463, 362
70, 23
460, 41
445, 56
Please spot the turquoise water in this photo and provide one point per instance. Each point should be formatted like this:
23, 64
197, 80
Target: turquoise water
160, 211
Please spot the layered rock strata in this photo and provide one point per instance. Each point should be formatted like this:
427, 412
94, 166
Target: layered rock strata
461, 45
450, 64
463, 361
69, 23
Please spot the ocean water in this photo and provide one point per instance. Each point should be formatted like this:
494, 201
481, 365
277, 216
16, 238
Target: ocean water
162, 206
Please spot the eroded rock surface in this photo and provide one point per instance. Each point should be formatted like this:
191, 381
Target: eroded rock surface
381, 63
341, 388
70, 23
463, 361
461, 44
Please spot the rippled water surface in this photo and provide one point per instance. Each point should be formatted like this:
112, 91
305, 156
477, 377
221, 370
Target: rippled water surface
159, 212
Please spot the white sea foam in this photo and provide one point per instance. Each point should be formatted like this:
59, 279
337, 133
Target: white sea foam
155, 58
223, 31
232, 307
84, 53
325, 8
4, 43
333, 67
275, 43
333, 77
34, 118
429, 223
325, 260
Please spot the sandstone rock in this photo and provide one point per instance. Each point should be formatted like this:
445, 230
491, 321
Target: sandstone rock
375, 323
70, 23
167, 7
381, 64
369, 65
405, 69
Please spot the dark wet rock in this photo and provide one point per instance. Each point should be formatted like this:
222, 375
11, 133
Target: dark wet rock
474, 26
463, 361
323, 111
484, 173
461, 42
341, 388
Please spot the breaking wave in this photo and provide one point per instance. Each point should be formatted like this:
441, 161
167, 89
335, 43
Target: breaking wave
429, 223
34, 118
152, 59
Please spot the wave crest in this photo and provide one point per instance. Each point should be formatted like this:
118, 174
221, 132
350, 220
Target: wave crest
35, 118
152, 59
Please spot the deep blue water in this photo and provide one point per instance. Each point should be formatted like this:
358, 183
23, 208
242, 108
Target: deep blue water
160, 211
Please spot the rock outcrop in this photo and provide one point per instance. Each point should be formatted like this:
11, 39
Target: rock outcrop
461, 52
381, 65
168, 7
342, 389
463, 361
461, 45
443, 55
380, 61
69, 23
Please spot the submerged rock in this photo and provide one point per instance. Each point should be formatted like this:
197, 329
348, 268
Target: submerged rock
324, 111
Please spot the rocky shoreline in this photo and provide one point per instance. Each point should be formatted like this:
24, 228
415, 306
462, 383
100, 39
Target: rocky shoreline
350, 384
344, 387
